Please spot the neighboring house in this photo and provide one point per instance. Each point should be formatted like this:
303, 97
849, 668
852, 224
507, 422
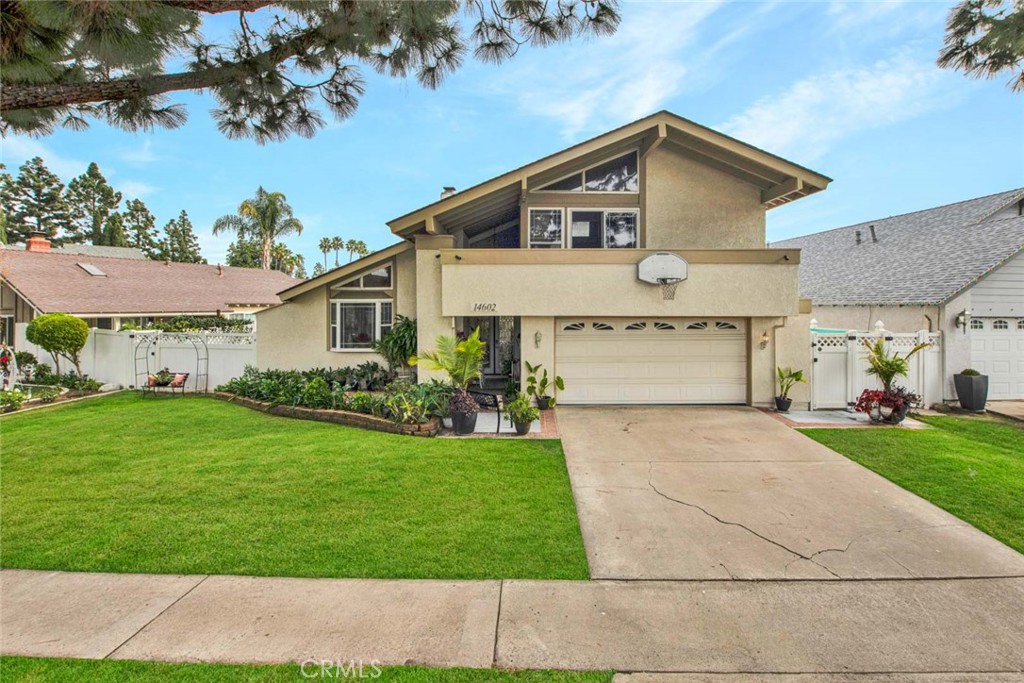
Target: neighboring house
543, 259
107, 291
957, 269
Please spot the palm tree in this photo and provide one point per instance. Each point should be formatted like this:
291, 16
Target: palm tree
264, 218
325, 246
356, 248
337, 244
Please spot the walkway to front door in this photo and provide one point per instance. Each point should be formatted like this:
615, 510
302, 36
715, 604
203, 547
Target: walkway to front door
730, 493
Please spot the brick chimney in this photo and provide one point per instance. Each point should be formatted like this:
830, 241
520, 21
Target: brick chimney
37, 242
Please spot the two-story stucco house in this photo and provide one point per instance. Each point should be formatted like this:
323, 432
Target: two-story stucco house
544, 260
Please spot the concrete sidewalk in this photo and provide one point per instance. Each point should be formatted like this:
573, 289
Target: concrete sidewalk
696, 627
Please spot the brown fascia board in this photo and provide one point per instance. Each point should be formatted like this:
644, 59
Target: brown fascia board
404, 223
341, 271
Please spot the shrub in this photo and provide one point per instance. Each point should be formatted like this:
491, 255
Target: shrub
317, 394
521, 411
69, 380
24, 359
399, 344
11, 400
46, 394
968, 372
62, 335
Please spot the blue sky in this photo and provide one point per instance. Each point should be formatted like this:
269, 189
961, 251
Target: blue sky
849, 89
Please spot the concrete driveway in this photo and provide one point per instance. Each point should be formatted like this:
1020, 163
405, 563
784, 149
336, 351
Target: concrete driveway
729, 493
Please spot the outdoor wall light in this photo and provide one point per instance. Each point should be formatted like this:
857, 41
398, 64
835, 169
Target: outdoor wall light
536, 339
765, 339
963, 320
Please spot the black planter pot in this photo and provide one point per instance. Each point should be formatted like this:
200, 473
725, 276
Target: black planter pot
523, 428
782, 404
972, 390
543, 402
463, 423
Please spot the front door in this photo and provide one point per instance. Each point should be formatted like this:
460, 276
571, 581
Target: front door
489, 335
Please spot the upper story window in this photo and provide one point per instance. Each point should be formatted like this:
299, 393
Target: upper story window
614, 175
380, 278
587, 228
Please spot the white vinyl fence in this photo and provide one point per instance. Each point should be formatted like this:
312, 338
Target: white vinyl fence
839, 373
126, 358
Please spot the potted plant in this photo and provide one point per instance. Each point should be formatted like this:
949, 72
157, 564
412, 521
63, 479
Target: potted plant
162, 378
971, 390
398, 345
538, 386
888, 367
521, 413
886, 406
462, 360
787, 378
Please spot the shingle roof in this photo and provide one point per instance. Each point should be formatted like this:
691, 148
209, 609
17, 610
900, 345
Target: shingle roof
925, 257
91, 250
55, 282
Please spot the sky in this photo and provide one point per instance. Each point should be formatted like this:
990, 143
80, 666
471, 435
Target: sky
849, 89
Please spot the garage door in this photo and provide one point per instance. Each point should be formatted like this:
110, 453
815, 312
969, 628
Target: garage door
666, 360
997, 350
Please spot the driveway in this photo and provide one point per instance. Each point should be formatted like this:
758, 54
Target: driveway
702, 493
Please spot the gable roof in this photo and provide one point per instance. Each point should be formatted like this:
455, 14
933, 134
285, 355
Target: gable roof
57, 282
921, 258
91, 250
780, 180
350, 268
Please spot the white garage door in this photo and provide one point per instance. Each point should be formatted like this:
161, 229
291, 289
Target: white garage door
669, 360
997, 350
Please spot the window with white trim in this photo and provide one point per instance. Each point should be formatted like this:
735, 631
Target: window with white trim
378, 278
356, 324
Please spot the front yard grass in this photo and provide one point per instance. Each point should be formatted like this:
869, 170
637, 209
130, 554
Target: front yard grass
198, 486
32, 670
971, 467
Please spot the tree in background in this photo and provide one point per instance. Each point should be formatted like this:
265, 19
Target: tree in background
318, 270
140, 228
91, 200
180, 242
244, 253
285, 260
6, 181
325, 246
35, 201
985, 38
337, 244
113, 231
356, 248
266, 217
66, 61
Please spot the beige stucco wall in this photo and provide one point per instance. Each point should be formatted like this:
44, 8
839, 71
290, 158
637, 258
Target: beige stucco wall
739, 290
294, 335
430, 322
534, 351
792, 347
692, 206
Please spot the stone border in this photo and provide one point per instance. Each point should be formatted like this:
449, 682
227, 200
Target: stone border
342, 417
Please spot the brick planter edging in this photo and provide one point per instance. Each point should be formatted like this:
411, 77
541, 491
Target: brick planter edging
342, 417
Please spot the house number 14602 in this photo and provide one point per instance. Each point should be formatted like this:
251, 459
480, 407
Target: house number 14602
485, 307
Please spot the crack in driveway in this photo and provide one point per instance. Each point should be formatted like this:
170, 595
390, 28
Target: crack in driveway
796, 554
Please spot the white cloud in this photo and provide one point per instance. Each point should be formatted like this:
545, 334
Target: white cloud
815, 113
135, 189
140, 154
610, 81
18, 149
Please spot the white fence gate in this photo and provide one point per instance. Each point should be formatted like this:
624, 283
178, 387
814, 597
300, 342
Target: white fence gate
839, 373
109, 357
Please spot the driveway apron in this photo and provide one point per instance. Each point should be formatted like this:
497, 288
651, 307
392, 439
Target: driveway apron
704, 493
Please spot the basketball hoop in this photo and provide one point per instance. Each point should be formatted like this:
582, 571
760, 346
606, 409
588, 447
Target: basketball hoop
668, 287
664, 269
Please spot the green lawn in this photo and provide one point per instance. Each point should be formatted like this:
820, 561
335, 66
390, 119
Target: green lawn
196, 485
971, 467
29, 670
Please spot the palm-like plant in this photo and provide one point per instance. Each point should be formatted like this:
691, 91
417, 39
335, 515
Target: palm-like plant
888, 367
325, 246
356, 248
337, 244
266, 217
461, 359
